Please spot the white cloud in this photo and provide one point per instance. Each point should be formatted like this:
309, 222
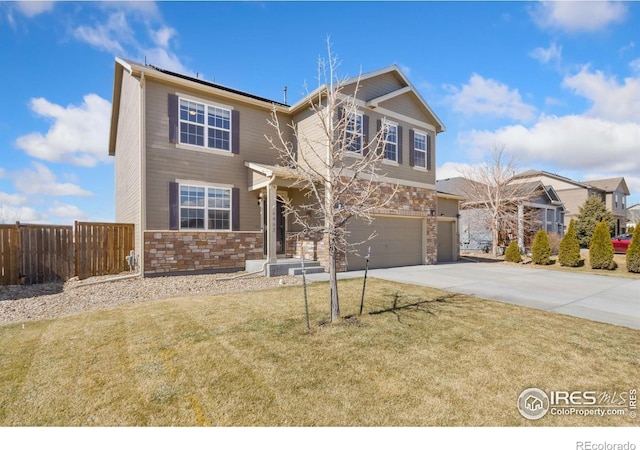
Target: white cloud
610, 99
10, 214
635, 65
570, 142
484, 96
33, 8
453, 170
165, 59
79, 134
3, 173
117, 35
11, 199
584, 16
547, 55
41, 180
107, 36
67, 213
162, 36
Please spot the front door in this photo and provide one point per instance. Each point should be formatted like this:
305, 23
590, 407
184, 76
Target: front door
280, 227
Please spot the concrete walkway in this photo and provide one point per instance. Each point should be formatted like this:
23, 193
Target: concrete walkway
601, 298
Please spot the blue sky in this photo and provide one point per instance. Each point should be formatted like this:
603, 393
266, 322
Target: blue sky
557, 83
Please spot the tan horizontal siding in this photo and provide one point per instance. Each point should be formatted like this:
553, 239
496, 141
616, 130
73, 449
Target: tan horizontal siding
128, 196
375, 87
167, 162
447, 207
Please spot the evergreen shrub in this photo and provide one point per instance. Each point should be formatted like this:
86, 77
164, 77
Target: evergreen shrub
512, 254
601, 249
541, 251
569, 253
633, 253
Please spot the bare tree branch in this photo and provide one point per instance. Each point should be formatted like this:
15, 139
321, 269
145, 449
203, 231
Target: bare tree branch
333, 164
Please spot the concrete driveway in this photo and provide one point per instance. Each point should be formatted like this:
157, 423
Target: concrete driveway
601, 298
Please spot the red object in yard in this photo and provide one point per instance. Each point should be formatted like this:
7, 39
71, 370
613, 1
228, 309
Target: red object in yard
621, 243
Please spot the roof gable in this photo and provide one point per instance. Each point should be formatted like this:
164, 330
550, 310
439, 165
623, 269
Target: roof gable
376, 89
610, 184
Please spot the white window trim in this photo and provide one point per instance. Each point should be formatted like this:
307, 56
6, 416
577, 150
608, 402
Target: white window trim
385, 143
426, 149
207, 105
349, 135
206, 208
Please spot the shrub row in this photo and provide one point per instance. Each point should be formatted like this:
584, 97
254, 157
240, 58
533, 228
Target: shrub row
601, 250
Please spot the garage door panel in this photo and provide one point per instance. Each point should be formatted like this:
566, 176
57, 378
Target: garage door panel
398, 242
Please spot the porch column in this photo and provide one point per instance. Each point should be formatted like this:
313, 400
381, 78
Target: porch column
271, 223
521, 227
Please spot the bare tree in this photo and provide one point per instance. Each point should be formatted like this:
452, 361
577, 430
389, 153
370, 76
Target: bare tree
489, 187
334, 163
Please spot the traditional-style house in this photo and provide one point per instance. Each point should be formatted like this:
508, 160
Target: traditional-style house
195, 174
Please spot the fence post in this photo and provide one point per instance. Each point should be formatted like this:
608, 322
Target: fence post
76, 252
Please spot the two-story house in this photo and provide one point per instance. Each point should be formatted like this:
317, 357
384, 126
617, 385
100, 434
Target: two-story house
195, 174
612, 191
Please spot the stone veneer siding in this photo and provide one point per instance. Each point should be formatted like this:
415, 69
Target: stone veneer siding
184, 251
407, 201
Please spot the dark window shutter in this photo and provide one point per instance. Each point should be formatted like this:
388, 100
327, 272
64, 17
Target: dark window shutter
235, 131
428, 152
235, 209
365, 134
173, 118
411, 148
174, 206
380, 143
399, 140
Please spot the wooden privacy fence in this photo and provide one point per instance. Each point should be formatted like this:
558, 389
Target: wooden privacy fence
101, 248
45, 253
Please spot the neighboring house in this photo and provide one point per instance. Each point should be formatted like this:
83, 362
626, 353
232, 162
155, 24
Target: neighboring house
195, 173
530, 207
633, 215
612, 191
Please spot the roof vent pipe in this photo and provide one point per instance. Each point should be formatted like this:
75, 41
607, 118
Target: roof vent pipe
285, 95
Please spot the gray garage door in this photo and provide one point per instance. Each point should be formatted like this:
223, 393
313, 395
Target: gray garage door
445, 241
398, 242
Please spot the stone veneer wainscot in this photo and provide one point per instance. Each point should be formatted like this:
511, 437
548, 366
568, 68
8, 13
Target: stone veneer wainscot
186, 251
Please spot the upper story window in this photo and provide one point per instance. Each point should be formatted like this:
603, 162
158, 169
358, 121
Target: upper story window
391, 143
205, 125
615, 196
354, 132
205, 208
420, 149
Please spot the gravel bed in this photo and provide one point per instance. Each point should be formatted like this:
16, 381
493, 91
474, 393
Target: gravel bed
44, 301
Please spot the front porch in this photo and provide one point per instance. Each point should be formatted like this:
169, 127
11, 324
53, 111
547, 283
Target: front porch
283, 266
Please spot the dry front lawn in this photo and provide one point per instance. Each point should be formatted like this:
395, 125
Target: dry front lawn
436, 359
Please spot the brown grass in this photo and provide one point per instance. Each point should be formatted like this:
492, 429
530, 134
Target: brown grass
436, 359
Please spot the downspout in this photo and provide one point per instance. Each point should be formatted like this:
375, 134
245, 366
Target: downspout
143, 172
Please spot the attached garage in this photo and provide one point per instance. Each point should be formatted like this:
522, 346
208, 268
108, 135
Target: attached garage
398, 242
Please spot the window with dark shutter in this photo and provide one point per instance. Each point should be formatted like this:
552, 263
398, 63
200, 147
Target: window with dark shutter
399, 144
428, 152
365, 134
174, 206
412, 148
235, 131
173, 118
235, 209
